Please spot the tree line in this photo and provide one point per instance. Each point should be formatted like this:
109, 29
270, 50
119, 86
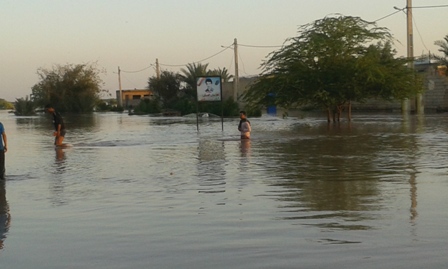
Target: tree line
331, 63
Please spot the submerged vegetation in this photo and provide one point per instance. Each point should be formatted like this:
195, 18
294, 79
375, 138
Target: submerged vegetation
24, 107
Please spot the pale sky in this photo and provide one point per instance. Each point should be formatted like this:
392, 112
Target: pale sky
131, 34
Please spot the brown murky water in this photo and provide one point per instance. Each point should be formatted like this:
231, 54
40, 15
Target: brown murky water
142, 192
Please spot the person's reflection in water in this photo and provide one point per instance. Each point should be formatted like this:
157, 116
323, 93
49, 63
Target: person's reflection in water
60, 155
245, 147
60, 160
5, 217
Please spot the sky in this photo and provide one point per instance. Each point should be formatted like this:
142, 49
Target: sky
132, 34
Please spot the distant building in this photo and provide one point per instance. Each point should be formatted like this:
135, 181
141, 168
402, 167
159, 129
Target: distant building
132, 97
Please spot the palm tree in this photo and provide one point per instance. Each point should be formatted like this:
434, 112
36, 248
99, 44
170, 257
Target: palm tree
193, 71
223, 73
189, 76
443, 44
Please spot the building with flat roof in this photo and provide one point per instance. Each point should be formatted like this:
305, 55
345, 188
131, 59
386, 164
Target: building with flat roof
131, 98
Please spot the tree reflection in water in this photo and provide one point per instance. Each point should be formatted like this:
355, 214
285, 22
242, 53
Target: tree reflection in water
333, 179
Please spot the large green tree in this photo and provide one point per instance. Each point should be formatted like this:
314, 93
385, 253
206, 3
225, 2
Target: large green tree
166, 88
332, 62
69, 88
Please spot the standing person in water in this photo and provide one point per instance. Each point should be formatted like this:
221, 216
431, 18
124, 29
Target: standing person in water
58, 123
244, 126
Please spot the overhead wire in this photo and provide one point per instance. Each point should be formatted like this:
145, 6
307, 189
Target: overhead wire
418, 31
135, 86
231, 61
178, 65
242, 62
432, 6
402, 9
137, 70
256, 46
387, 16
279, 46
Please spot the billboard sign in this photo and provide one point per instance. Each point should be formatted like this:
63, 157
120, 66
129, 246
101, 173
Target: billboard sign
208, 88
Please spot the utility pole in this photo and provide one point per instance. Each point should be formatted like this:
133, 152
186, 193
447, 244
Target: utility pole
157, 69
419, 106
236, 77
120, 97
405, 105
410, 33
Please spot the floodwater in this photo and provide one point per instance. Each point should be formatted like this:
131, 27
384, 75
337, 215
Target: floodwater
145, 192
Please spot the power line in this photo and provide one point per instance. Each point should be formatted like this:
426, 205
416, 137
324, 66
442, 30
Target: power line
231, 61
418, 31
213, 55
219, 52
178, 65
256, 46
431, 6
388, 15
135, 86
241, 59
402, 9
137, 70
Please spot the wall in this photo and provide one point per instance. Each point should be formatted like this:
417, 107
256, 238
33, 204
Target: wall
435, 97
128, 96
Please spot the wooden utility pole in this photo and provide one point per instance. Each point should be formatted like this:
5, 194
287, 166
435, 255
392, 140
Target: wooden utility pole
410, 33
157, 69
236, 77
406, 106
120, 97
419, 106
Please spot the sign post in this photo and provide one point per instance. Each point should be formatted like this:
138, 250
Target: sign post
209, 89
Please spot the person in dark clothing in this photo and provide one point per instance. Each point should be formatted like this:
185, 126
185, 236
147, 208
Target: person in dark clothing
58, 123
3, 149
244, 126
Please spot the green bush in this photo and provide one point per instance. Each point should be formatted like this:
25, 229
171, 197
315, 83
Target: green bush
254, 112
24, 107
184, 106
229, 108
147, 106
117, 109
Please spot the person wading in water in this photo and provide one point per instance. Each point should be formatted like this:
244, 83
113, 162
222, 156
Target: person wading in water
244, 126
58, 123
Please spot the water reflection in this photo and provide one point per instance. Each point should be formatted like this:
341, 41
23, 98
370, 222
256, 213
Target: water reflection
57, 181
60, 157
333, 180
211, 166
413, 189
5, 217
245, 148
377, 182
27, 125
411, 146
